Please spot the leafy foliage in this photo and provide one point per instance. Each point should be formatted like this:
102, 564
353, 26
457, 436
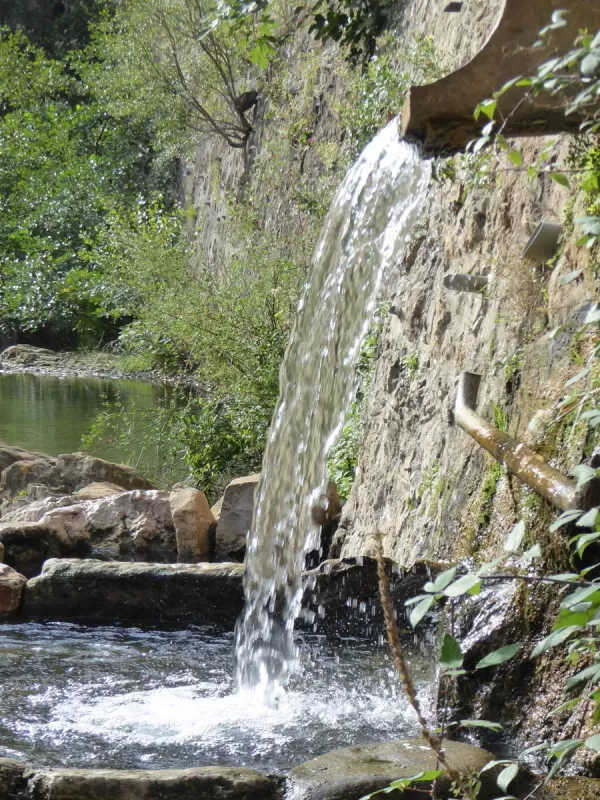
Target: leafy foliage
354, 23
64, 165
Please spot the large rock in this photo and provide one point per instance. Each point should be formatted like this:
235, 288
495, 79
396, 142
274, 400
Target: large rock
20, 474
133, 525
98, 591
224, 783
67, 474
12, 586
194, 524
572, 789
235, 519
27, 545
80, 469
9, 454
353, 772
94, 491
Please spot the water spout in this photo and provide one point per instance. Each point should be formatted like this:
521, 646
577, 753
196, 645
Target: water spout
364, 234
519, 459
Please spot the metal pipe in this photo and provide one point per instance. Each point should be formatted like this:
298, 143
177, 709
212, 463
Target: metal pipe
519, 459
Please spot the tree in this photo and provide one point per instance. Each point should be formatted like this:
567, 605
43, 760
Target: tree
194, 57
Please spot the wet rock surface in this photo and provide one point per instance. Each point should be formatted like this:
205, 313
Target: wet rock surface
12, 586
18, 782
95, 591
572, 789
351, 773
342, 595
13, 780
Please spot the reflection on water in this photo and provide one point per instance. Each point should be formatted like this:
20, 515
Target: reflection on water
50, 414
126, 698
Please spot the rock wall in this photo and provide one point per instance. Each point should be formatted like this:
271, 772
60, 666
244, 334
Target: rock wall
422, 482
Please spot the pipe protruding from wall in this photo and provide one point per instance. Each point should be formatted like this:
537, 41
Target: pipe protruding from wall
519, 459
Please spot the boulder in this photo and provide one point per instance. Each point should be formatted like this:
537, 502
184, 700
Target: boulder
194, 524
13, 780
353, 772
235, 519
27, 545
99, 591
94, 491
216, 509
17, 477
12, 586
225, 783
133, 525
80, 469
10, 454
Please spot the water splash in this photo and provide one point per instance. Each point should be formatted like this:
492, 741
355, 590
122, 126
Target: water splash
364, 234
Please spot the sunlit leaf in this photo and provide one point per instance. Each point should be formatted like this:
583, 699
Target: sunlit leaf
499, 656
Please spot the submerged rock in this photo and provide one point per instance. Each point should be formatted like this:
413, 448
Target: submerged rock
351, 773
12, 586
235, 518
99, 591
17, 782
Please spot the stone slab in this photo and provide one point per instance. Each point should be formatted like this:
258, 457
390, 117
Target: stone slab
97, 591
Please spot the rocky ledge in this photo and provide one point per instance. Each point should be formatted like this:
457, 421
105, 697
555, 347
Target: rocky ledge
97, 591
340, 775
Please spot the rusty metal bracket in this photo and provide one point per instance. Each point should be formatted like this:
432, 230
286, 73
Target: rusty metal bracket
519, 459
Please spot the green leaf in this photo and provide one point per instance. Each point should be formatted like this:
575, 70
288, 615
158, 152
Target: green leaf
533, 552
443, 579
583, 474
571, 276
515, 158
588, 520
468, 584
589, 65
489, 566
593, 743
499, 656
515, 537
561, 179
579, 595
419, 611
412, 600
588, 674
488, 107
507, 775
451, 656
481, 723
554, 639
492, 764
565, 518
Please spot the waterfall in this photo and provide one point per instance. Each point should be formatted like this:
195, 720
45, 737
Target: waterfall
364, 234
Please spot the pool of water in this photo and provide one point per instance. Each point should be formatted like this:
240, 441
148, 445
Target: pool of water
127, 698
50, 414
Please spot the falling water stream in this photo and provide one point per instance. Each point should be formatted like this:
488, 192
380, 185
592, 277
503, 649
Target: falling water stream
364, 234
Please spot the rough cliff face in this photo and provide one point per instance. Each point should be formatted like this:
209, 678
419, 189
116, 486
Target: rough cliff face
424, 483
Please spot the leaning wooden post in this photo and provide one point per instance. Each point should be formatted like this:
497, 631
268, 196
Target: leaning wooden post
519, 459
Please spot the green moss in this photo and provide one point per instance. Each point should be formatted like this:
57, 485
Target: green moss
487, 494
